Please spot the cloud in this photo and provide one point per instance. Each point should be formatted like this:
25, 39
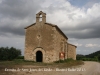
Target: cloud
17, 42
77, 44
6, 30
92, 45
15, 15
19, 8
80, 24
83, 3
75, 22
91, 3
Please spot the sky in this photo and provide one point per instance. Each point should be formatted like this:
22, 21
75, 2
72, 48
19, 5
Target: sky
78, 19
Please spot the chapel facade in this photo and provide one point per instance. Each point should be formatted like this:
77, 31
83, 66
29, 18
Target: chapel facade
45, 42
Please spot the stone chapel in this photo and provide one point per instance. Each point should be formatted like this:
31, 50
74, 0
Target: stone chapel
45, 42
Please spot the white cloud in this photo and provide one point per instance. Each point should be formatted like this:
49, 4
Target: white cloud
94, 12
0, 1
64, 14
77, 44
92, 45
68, 17
74, 21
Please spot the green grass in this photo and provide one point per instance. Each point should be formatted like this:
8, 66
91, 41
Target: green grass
22, 64
16, 62
61, 63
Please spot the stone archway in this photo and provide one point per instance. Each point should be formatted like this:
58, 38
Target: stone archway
38, 51
39, 56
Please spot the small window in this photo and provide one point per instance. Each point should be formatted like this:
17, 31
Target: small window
40, 18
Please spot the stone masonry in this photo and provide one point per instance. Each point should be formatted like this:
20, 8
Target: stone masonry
45, 42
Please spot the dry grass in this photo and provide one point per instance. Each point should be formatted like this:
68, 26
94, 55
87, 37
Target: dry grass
19, 63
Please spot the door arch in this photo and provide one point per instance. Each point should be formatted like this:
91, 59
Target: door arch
39, 56
36, 50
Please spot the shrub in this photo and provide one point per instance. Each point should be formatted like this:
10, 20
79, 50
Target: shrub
79, 57
99, 57
9, 53
20, 57
89, 59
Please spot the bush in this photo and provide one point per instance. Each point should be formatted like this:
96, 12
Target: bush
98, 57
79, 57
20, 57
18, 60
9, 53
89, 59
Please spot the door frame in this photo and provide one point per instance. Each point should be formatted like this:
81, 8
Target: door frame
43, 53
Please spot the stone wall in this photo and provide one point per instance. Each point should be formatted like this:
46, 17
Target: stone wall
39, 36
59, 43
71, 51
48, 39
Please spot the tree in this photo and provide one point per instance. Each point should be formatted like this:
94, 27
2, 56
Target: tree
9, 53
99, 57
79, 56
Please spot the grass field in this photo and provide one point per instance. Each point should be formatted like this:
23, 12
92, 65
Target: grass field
66, 63
20, 63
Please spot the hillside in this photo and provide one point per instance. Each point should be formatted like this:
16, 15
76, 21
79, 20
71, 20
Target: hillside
95, 56
92, 55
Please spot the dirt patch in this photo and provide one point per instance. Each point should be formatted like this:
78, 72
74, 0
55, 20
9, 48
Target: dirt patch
89, 68
3, 72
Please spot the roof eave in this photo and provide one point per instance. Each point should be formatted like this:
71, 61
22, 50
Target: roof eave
29, 25
58, 29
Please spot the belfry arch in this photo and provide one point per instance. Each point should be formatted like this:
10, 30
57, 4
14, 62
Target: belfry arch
41, 17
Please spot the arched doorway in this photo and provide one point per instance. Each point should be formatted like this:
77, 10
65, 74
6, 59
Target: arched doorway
39, 56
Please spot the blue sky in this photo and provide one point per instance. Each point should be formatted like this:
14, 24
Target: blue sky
78, 19
83, 3
79, 3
